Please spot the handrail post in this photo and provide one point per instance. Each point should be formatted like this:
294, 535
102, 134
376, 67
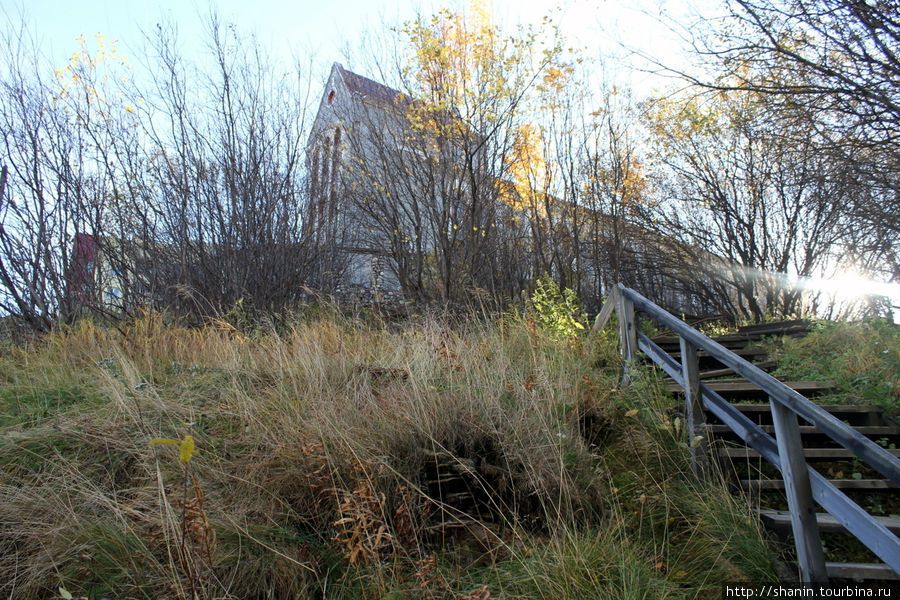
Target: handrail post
696, 422
606, 312
627, 334
810, 556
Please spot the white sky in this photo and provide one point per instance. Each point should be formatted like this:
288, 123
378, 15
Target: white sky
324, 29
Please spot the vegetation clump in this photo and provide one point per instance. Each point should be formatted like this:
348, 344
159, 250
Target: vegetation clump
341, 458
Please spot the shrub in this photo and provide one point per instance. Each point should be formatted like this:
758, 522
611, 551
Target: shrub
556, 310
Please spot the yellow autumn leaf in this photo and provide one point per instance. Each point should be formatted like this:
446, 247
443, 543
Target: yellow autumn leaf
187, 449
164, 442
185, 446
632, 412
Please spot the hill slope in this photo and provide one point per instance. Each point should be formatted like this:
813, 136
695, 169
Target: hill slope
348, 459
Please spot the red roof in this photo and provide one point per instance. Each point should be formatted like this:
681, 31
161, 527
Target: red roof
368, 87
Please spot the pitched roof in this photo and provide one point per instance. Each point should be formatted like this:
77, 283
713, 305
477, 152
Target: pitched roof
368, 87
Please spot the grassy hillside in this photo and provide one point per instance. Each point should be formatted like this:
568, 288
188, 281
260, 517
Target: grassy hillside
350, 459
863, 359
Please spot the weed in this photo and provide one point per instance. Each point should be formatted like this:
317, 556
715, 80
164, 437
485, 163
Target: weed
556, 310
194, 537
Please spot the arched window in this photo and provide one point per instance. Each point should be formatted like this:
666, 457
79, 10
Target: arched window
330, 97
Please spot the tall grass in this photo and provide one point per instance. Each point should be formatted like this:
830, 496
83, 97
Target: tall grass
343, 458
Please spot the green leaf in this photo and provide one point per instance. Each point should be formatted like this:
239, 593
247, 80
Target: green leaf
65, 593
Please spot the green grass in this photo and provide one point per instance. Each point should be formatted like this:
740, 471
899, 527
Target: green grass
341, 458
34, 388
863, 359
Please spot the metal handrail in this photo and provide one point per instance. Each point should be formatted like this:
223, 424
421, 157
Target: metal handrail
854, 518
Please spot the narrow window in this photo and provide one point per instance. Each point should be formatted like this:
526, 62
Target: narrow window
330, 97
336, 157
335, 166
314, 184
324, 180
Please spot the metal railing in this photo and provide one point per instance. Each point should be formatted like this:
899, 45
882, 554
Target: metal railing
803, 485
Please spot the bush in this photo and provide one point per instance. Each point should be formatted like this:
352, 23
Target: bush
556, 311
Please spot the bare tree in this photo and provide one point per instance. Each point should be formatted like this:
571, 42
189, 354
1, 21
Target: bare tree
182, 193
50, 192
751, 207
833, 65
227, 173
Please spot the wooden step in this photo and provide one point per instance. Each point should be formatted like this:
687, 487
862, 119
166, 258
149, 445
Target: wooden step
872, 431
673, 343
764, 365
779, 328
743, 353
744, 335
781, 519
861, 571
763, 485
725, 386
832, 408
707, 362
873, 572
856, 415
814, 453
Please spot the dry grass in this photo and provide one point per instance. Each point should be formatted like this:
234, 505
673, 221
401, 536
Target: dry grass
349, 459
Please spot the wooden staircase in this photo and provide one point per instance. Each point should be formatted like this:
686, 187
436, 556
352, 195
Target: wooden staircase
805, 487
761, 482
